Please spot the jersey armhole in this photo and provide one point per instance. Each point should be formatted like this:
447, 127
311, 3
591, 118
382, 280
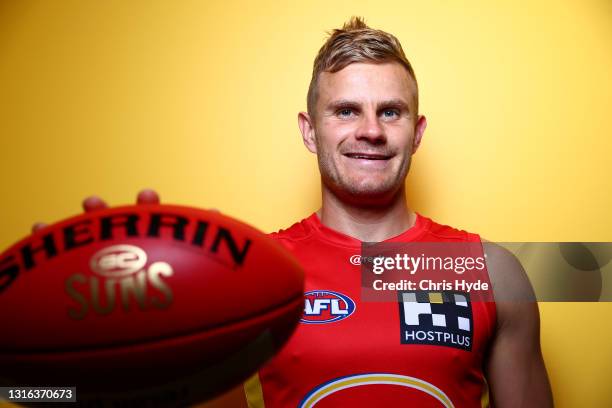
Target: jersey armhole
490, 306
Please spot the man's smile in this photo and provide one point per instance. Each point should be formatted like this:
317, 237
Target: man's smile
368, 156
369, 160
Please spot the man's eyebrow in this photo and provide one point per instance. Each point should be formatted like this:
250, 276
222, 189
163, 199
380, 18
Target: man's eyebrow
347, 103
394, 103
342, 103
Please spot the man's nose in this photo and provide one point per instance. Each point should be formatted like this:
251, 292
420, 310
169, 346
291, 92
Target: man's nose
370, 129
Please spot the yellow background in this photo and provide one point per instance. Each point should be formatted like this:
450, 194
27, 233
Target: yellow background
199, 100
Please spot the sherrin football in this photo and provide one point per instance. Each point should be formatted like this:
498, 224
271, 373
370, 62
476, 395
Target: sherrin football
159, 303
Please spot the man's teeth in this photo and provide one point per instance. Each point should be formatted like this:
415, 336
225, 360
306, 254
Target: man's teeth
359, 156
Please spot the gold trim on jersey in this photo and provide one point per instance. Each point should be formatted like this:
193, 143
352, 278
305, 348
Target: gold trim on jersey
375, 378
253, 392
484, 398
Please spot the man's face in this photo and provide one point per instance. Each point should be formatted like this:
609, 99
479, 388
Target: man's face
365, 129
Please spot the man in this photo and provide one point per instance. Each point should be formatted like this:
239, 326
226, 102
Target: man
363, 124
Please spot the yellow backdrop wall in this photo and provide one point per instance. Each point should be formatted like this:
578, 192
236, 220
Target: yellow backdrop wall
198, 99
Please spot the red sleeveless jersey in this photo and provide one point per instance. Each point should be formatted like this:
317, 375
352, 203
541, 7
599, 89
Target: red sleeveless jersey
347, 353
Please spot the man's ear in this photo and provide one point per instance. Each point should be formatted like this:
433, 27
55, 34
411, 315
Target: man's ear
306, 125
421, 124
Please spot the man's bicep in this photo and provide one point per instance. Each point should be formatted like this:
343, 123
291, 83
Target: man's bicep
514, 367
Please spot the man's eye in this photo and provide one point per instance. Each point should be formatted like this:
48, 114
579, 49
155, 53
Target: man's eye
390, 113
345, 113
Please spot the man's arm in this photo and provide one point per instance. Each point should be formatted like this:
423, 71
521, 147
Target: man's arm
514, 365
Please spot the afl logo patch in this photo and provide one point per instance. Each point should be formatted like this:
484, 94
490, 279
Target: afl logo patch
325, 306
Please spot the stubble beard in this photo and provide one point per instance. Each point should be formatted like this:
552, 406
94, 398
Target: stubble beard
352, 188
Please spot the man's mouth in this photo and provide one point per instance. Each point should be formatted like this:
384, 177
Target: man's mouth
368, 156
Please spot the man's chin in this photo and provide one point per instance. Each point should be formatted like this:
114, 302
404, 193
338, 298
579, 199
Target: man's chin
369, 193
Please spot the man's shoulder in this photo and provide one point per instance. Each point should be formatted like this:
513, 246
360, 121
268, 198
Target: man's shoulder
297, 231
442, 232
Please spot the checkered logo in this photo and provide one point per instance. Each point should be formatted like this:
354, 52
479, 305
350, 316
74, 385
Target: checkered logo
436, 318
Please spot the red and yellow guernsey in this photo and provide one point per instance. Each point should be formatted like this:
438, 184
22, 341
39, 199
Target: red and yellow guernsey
425, 350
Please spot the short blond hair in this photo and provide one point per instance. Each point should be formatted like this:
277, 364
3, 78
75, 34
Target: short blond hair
356, 42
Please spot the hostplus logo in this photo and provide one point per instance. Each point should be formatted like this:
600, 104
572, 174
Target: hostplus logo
436, 318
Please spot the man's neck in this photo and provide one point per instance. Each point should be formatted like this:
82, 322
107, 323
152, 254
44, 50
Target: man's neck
367, 223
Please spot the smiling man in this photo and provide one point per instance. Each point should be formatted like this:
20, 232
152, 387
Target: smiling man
364, 126
427, 348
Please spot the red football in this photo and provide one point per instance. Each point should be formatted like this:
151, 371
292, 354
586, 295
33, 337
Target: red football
166, 303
